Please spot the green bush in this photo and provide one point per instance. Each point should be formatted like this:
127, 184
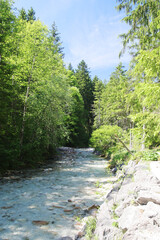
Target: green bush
149, 155
118, 158
103, 138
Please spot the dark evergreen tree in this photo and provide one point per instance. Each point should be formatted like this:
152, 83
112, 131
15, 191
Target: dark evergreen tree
28, 16
71, 68
57, 40
76, 121
98, 87
23, 14
86, 89
31, 15
114, 109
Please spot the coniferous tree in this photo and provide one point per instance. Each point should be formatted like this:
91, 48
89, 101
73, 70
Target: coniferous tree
114, 106
31, 15
75, 120
139, 16
23, 14
143, 18
85, 87
71, 68
28, 16
98, 87
57, 40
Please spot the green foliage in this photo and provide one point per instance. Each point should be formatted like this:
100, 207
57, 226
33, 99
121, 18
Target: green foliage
114, 215
146, 155
143, 18
75, 120
34, 91
110, 105
150, 155
104, 139
90, 228
98, 185
85, 87
118, 158
98, 87
43, 105
57, 40
115, 224
140, 15
30, 16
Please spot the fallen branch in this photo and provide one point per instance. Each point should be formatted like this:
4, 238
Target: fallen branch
124, 145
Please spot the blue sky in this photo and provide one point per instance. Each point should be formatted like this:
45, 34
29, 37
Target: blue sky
89, 30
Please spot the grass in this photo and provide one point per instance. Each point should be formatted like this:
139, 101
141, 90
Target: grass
90, 228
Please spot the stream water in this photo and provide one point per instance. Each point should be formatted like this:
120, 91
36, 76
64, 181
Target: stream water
44, 204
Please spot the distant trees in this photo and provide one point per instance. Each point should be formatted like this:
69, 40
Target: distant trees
110, 106
80, 78
85, 87
56, 39
30, 16
75, 120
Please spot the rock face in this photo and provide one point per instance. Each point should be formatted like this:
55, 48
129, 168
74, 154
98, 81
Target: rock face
132, 208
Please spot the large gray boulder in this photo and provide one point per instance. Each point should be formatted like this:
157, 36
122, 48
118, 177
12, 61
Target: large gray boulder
142, 232
129, 218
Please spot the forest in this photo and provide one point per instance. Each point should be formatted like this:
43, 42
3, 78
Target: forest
45, 104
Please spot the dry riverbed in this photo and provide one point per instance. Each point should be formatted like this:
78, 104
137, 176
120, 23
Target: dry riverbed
46, 203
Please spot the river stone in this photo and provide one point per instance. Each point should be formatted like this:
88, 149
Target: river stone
148, 196
40, 223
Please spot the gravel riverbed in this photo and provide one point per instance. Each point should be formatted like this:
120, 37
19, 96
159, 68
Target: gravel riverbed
44, 203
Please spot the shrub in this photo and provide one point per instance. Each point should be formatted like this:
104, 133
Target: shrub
118, 159
149, 155
103, 139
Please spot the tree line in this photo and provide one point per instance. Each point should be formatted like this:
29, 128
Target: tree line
127, 108
43, 103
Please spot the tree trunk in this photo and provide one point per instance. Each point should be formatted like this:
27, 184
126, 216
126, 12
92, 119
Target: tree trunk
131, 137
143, 134
25, 109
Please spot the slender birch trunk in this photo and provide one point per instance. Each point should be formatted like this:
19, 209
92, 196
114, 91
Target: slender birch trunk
143, 134
131, 137
25, 109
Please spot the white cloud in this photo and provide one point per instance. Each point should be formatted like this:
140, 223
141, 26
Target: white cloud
98, 44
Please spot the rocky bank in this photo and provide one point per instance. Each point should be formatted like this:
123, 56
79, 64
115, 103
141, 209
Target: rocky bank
131, 210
